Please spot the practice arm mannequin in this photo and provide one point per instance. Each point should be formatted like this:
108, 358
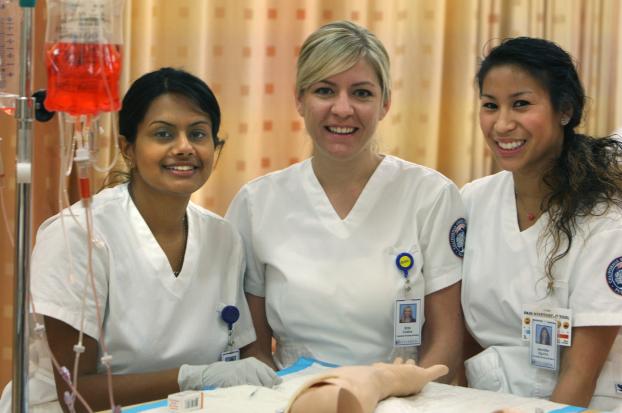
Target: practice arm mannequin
358, 389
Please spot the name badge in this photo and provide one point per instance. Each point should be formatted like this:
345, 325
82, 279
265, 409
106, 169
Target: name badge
561, 316
231, 355
407, 322
543, 346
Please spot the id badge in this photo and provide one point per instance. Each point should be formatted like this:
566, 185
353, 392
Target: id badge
561, 316
230, 355
543, 345
407, 322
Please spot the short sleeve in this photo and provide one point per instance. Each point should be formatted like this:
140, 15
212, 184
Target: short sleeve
244, 331
59, 274
596, 281
240, 216
442, 240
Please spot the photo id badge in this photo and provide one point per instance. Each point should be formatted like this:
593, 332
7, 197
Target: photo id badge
543, 348
407, 322
230, 355
561, 316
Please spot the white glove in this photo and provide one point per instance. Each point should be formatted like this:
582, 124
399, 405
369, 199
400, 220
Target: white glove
225, 374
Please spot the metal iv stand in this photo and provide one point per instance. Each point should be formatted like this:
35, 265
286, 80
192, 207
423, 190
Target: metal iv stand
24, 115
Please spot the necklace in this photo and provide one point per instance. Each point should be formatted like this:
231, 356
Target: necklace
531, 216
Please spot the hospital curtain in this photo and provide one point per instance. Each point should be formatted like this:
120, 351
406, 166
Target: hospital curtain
246, 51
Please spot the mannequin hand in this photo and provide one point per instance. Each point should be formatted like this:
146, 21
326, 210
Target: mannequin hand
225, 374
403, 378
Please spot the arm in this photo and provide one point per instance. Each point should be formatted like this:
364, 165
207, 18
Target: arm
358, 389
262, 348
442, 332
128, 388
581, 364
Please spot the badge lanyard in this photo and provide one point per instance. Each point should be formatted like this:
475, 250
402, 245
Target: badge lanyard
230, 314
408, 312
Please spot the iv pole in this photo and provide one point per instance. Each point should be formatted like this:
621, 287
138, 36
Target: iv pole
24, 115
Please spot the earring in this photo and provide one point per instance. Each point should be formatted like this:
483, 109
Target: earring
565, 121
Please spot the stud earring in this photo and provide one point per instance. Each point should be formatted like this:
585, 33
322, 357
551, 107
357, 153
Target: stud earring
565, 121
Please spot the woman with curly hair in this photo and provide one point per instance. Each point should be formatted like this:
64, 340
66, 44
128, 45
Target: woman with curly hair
553, 221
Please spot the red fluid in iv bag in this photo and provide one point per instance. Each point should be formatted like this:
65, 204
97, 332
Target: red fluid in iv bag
83, 78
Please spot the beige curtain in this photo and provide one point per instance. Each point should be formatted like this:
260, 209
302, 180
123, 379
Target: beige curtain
246, 50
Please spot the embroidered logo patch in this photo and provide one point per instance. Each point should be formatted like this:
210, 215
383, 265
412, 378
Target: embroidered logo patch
457, 236
614, 275
619, 388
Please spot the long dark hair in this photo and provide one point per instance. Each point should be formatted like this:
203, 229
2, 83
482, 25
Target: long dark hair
588, 173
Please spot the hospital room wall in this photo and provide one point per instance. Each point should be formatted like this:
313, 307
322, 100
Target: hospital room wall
246, 50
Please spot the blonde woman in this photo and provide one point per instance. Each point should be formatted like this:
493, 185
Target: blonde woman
336, 243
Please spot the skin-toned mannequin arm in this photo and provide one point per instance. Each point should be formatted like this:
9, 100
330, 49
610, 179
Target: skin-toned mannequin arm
358, 389
442, 332
581, 364
128, 388
262, 348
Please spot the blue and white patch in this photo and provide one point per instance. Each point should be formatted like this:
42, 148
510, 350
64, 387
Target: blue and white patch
619, 388
614, 275
457, 236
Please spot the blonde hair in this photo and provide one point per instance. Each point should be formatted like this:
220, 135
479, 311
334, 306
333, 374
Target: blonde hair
335, 48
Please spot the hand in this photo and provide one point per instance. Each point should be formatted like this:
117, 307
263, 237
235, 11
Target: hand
403, 378
225, 374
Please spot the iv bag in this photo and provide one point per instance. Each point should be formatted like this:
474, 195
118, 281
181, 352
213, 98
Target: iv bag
83, 56
10, 18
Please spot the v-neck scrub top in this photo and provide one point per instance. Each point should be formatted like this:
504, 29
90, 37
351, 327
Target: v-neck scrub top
329, 284
504, 270
152, 320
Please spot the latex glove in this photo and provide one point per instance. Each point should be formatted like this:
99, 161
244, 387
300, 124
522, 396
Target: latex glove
225, 374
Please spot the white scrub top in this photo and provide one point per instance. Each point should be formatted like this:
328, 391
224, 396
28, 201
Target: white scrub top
504, 269
152, 320
330, 284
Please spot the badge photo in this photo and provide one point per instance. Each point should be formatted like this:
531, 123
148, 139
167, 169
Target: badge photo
407, 323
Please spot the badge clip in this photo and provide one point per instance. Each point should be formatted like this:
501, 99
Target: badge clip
404, 262
230, 314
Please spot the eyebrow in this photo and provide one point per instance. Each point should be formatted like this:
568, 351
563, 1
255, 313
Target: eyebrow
363, 83
200, 122
513, 95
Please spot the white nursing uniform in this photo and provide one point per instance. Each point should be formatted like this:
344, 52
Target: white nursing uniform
504, 269
152, 320
330, 285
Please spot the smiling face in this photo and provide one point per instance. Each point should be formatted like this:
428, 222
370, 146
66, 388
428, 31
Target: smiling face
174, 148
519, 123
342, 112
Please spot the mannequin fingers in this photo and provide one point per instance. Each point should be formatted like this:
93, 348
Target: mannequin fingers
436, 371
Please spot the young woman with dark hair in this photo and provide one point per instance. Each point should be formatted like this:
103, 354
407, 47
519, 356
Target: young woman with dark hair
545, 233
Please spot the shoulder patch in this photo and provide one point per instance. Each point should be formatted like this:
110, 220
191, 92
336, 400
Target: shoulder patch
457, 236
614, 275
